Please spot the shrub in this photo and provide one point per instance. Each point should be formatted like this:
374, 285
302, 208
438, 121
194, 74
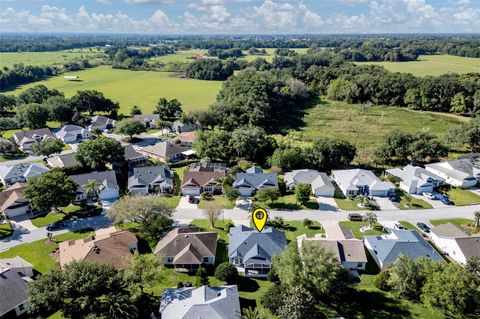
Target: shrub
381, 281
272, 299
277, 222
227, 272
202, 277
307, 223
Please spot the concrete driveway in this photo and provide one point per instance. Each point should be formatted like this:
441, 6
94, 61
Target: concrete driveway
243, 203
435, 203
333, 230
385, 203
185, 204
327, 203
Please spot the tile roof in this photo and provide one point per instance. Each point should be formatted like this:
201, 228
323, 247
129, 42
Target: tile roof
188, 137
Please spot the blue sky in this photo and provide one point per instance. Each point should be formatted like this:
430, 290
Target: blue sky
240, 16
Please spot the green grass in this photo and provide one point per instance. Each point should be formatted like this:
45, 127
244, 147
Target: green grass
8, 59
415, 203
5, 230
407, 225
288, 202
433, 65
221, 201
142, 88
355, 228
349, 204
38, 252
54, 216
11, 157
463, 196
464, 223
293, 229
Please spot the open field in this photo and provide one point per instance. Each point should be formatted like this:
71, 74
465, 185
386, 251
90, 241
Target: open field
433, 65
8, 59
142, 88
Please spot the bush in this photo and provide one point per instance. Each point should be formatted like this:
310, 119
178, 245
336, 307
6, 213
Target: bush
272, 299
202, 277
228, 226
307, 223
227, 272
381, 281
277, 222
272, 276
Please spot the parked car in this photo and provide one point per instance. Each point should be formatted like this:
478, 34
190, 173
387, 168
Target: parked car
55, 225
394, 197
443, 199
191, 199
430, 196
355, 217
398, 226
423, 227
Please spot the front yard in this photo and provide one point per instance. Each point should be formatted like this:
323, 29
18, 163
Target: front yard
462, 197
355, 228
221, 201
407, 201
349, 204
288, 202
467, 224
5, 230
68, 213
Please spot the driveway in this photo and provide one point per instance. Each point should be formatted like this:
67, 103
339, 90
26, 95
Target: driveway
435, 203
327, 203
333, 230
185, 204
385, 203
243, 203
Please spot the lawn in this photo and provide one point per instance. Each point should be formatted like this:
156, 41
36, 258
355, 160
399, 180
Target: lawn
433, 65
5, 230
54, 216
414, 203
349, 204
8, 59
355, 228
221, 201
288, 202
293, 229
463, 196
141, 88
407, 225
38, 252
464, 223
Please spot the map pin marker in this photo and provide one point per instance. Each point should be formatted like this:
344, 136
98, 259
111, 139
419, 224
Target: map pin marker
259, 217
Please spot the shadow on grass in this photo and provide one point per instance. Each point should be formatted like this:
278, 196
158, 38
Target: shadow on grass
294, 118
247, 284
222, 252
247, 303
16, 156
286, 227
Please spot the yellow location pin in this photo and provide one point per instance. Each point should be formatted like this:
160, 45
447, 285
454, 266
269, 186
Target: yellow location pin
259, 217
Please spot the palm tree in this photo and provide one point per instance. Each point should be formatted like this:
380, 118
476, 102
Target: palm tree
370, 218
120, 307
92, 187
477, 219
251, 313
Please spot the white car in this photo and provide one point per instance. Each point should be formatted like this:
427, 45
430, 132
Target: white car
429, 196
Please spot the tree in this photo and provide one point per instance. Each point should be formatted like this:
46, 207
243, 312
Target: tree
302, 193
298, 303
59, 109
152, 215
227, 273
272, 299
32, 115
92, 101
288, 158
7, 123
405, 278
48, 147
466, 134
135, 110
212, 212
130, 127
92, 187
251, 313
7, 147
202, 277
307, 223
7, 103
168, 109
51, 190
231, 193
265, 194
473, 265
458, 104
37, 94
209, 69
144, 271
326, 154
119, 306
370, 218
99, 152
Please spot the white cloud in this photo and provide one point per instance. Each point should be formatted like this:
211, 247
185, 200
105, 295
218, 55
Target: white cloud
149, 1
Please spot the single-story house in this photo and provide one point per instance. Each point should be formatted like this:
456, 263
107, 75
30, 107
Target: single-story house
13, 202
100, 122
455, 242
133, 157
20, 173
180, 127
108, 190
63, 161
201, 302
385, 249
166, 151
460, 173
73, 134
354, 182
25, 139
203, 177
186, 139
321, 185
251, 251
349, 252
113, 248
254, 179
187, 249
15, 275
415, 179
148, 120
145, 180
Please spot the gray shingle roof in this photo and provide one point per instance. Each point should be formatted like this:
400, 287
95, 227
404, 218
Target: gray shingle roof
63, 161
22, 170
13, 289
165, 149
160, 175
255, 178
106, 178
308, 176
470, 246
41, 132
131, 153
351, 178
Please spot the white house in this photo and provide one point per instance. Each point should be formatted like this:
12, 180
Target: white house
73, 133
13, 202
455, 242
107, 180
22, 173
415, 179
254, 179
354, 182
321, 185
460, 173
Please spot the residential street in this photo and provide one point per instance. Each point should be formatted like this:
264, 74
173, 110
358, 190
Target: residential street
30, 158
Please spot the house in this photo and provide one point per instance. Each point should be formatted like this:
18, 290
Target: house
166, 151
73, 134
63, 161
460, 173
186, 249
251, 251
107, 180
455, 242
100, 122
145, 180
254, 179
415, 179
200, 302
133, 157
148, 120
113, 248
321, 185
180, 127
349, 252
13, 202
15, 275
385, 249
203, 177
25, 139
22, 173
186, 139
354, 182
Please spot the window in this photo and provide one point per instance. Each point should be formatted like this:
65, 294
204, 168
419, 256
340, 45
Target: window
205, 260
21, 307
169, 259
359, 265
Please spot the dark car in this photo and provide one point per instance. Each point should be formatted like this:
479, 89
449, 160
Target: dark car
354, 217
55, 225
394, 198
423, 227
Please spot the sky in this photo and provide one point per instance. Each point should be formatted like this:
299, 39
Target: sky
240, 16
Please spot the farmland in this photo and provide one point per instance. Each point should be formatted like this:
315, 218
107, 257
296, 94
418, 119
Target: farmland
433, 65
142, 88
8, 59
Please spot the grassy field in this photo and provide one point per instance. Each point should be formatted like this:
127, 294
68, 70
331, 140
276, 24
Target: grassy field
409, 202
433, 65
141, 88
8, 59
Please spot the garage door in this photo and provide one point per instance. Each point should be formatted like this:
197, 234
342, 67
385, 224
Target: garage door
191, 191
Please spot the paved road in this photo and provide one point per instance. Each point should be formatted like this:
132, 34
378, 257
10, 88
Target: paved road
30, 158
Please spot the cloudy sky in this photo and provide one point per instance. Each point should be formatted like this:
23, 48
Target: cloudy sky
240, 16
